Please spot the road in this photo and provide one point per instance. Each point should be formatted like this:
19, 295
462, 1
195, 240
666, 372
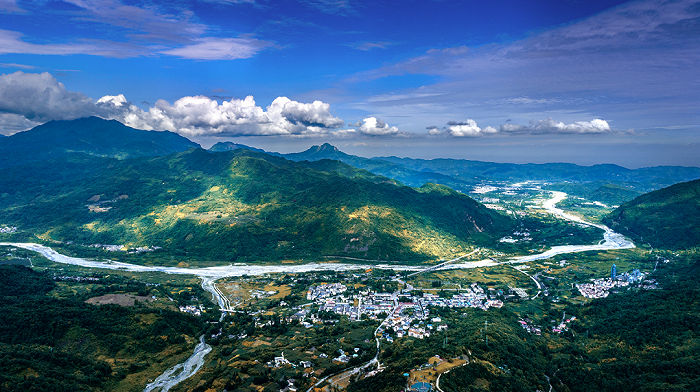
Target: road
539, 286
438, 266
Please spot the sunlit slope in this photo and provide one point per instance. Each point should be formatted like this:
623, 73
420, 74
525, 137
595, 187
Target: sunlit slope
667, 218
243, 205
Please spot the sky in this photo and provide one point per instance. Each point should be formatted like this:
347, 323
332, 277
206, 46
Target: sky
518, 81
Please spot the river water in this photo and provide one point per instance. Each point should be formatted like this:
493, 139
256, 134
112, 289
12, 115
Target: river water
181, 371
209, 275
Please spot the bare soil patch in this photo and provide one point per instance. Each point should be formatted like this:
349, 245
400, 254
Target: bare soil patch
118, 299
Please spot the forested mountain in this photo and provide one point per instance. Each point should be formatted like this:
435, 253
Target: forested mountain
91, 135
380, 167
610, 184
666, 218
242, 205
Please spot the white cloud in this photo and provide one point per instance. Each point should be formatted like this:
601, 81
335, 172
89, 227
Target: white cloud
211, 48
345, 133
433, 130
11, 42
10, 7
12, 123
146, 31
365, 46
467, 129
373, 126
40, 97
15, 65
202, 116
148, 22
314, 115
548, 125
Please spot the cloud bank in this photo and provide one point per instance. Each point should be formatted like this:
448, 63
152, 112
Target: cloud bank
467, 129
461, 129
31, 99
548, 125
202, 116
144, 31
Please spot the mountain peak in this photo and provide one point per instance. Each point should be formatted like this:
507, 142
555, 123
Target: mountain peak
325, 147
89, 135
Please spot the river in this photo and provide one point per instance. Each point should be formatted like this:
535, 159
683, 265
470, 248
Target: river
181, 371
611, 240
209, 275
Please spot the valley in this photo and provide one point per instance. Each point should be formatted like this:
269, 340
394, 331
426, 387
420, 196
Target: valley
177, 268
389, 310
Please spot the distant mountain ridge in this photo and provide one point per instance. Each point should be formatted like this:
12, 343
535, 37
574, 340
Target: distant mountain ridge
230, 146
610, 184
380, 167
89, 135
607, 183
647, 178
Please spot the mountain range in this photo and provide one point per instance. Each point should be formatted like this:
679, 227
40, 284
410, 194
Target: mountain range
97, 181
463, 175
233, 205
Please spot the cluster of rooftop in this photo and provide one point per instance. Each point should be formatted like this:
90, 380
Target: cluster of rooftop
374, 304
529, 327
77, 278
564, 324
192, 309
325, 290
600, 288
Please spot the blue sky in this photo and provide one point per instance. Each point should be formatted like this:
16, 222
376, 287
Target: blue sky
510, 81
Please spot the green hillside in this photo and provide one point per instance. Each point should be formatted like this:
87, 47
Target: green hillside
667, 218
602, 191
242, 205
64, 344
91, 135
